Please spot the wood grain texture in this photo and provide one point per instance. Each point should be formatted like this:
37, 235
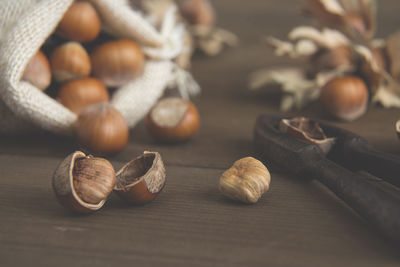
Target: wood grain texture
296, 223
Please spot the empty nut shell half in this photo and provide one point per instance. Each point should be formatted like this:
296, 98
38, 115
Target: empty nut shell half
307, 130
246, 181
141, 179
85, 189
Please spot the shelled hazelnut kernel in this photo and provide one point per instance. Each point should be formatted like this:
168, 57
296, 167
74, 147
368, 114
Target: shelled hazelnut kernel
82, 183
80, 23
117, 62
79, 93
345, 97
38, 72
102, 129
70, 61
173, 120
246, 181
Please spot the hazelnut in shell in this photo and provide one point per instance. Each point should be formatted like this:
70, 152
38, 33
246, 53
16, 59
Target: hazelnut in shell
246, 181
80, 23
345, 98
102, 129
141, 179
197, 12
173, 120
70, 61
83, 183
79, 93
117, 62
38, 72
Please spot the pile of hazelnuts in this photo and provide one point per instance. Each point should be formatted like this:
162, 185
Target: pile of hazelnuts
80, 67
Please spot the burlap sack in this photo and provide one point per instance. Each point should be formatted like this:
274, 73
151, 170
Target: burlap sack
26, 24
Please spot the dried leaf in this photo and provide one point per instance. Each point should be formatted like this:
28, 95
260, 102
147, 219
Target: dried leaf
360, 18
393, 52
282, 48
211, 41
326, 38
280, 76
371, 71
306, 48
327, 12
355, 18
299, 90
388, 96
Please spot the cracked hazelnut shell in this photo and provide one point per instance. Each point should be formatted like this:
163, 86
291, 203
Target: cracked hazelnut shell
307, 130
142, 179
82, 183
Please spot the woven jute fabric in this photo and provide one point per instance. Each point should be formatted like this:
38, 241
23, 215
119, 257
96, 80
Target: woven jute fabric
24, 27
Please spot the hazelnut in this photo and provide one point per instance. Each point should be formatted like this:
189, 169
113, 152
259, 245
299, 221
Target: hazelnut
197, 12
173, 120
82, 183
142, 179
345, 97
79, 93
80, 23
246, 181
117, 62
102, 129
38, 72
70, 61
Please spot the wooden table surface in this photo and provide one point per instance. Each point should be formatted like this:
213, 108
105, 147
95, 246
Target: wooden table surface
296, 223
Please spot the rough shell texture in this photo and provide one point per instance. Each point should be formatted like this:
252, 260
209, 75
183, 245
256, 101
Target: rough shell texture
64, 188
141, 179
245, 181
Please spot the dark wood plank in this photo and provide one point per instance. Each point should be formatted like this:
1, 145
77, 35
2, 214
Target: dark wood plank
189, 224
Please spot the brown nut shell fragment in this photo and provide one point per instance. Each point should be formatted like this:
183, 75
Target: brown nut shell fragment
69, 192
245, 181
141, 179
307, 130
